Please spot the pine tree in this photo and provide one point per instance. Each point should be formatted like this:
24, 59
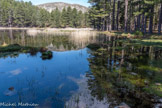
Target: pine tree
69, 16
24, 14
126, 16
113, 20
75, 18
80, 19
86, 19
160, 19
53, 18
64, 18
129, 15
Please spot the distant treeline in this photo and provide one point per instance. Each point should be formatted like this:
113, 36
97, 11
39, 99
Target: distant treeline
24, 14
128, 15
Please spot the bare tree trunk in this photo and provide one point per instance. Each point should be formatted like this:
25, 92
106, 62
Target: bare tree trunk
0, 16
139, 19
11, 35
121, 63
9, 21
104, 20
143, 22
3, 38
100, 25
130, 17
109, 19
145, 25
104, 24
117, 16
113, 22
107, 23
110, 23
23, 38
151, 20
126, 15
135, 24
160, 20
94, 24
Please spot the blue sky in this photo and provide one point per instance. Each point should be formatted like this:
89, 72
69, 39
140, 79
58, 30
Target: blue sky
81, 2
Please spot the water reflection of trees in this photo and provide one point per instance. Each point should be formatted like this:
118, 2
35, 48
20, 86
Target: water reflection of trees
125, 72
60, 41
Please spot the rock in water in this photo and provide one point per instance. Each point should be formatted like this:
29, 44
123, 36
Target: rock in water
122, 105
11, 88
10, 92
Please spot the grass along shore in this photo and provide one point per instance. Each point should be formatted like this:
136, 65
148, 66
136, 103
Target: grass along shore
136, 34
36, 28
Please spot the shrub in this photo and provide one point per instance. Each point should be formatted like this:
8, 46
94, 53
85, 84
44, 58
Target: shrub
138, 33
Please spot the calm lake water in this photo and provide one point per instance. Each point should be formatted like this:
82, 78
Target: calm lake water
87, 70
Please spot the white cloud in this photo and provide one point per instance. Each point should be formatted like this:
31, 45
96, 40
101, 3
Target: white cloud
83, 98
16, 72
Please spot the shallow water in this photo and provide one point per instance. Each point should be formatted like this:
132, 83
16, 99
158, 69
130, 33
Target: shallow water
111, 70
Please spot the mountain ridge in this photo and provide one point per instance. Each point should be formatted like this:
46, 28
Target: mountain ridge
60, 5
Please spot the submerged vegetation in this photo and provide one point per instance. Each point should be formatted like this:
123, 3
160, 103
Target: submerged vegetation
46, 55
14, 50
125, 71
17, 48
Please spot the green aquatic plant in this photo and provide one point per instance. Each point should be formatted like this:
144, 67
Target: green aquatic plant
147, 42
46, 55
155, 89
10, 48
14, 50
149, 68
138, 33
93, 46
152, 40
17, 48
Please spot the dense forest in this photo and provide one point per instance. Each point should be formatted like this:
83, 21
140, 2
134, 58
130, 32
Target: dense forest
144, 16
24, 14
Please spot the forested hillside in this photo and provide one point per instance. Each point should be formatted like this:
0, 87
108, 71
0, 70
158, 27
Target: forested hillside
143, 16
23, 14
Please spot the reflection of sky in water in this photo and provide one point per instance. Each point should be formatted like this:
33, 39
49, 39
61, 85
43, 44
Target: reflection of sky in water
83, 98
46, 82
62, 79
15, 72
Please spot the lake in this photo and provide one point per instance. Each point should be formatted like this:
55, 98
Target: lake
86, 70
